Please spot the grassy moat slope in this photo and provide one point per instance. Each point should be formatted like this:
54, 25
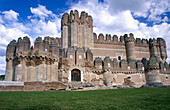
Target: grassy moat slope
125, 99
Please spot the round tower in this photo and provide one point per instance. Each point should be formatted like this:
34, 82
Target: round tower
64, 30
152, 72
130, 47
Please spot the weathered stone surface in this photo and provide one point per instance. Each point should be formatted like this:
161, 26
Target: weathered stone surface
55, 86
32, 86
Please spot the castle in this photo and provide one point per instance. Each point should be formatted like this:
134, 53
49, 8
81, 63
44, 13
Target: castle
82, 56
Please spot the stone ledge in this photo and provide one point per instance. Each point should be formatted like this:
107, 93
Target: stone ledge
11, 83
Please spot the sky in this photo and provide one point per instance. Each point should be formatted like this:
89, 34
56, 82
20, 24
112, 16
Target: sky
33, 18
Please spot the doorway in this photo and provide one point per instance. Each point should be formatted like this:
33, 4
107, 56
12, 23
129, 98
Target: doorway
75, 75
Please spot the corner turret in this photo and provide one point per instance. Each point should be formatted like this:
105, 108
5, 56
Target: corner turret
130, 46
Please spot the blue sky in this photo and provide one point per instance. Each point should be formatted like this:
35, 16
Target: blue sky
33, 18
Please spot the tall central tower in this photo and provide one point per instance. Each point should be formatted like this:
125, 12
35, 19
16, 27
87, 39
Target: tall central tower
77, 31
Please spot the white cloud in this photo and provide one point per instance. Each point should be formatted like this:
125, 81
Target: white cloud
7, 34
10, 15
2, 59
158, 7
2, 64
48, 24
138, 7
42, 12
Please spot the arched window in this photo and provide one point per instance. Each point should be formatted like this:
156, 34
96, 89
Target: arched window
75, 75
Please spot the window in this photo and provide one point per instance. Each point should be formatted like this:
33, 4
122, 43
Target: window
119, 57
80, 57
143, 68
164, 69
45, 50
108, 64
100, 66
97, 76
128, 67
71, 56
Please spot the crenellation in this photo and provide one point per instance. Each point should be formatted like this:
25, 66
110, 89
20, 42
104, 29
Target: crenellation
123, 65
108, 63
76, 15
138, 41
98, 62
108, 37
116, 65
122, 39
83, 16
80, 55
132, 65
11, 48
115, 38
89, 55
95, 37
101, 37
90, 21
65, 19
139, 66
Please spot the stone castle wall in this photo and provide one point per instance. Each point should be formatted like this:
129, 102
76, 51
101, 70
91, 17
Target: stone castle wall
115, 47
101, 60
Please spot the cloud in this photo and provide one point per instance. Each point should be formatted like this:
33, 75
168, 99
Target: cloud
158, 7
44, 22
2, 64
10, 15
138, 7
7, 34
41, 12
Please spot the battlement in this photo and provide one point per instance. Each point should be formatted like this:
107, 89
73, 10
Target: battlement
132, 66
114, 65
108, 39
157, 42
22, 47
74, 17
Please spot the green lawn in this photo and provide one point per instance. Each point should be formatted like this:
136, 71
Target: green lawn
125, 99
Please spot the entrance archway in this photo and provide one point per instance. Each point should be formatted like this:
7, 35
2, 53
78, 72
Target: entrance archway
75, 75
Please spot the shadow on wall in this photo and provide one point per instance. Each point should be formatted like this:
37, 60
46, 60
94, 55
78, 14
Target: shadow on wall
2, 77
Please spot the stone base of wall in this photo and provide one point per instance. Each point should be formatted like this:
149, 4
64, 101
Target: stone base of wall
31, 86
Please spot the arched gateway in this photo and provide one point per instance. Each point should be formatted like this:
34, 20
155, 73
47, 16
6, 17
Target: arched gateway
75, 75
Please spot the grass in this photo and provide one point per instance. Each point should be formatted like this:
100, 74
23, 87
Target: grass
125, 99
